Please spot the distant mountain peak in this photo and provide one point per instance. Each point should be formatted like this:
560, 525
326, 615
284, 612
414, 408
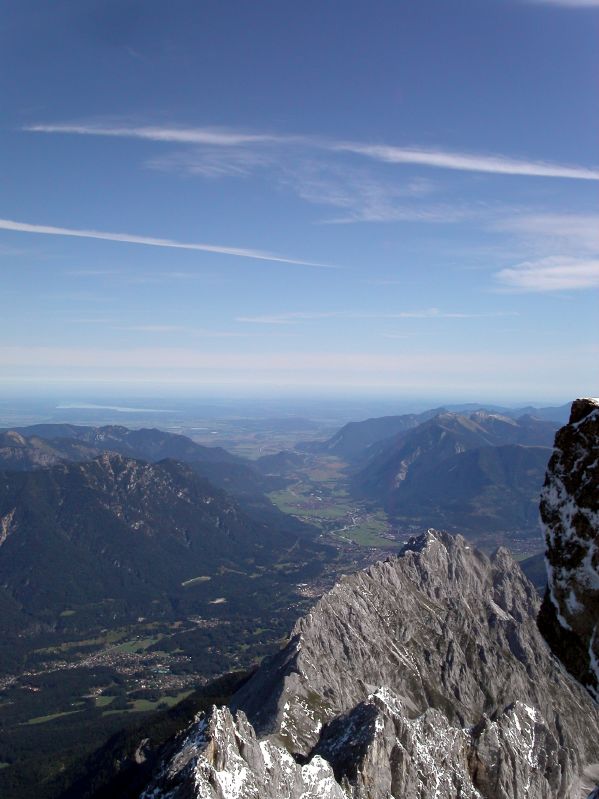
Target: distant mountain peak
474, 473
485, 415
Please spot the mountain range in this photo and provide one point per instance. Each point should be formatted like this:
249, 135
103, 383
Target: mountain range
477, 473
353, 440
91, 541
102, 506
43, 445
424, 675
111, 532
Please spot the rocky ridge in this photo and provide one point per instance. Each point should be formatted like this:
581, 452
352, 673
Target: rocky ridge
20, 453
121, 537
569, 616
477, 474
423, 676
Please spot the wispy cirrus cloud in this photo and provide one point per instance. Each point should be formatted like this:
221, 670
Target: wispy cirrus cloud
127, 277
214, 162
572, 232
568, 3
360, 196
91, 272
553, 273
178, 329
295, 317
89, 320
129, 238
564, 252
467, 162
437, 158
211, 136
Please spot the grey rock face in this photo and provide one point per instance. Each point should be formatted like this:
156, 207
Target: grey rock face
423, 676
222, 758
569, 617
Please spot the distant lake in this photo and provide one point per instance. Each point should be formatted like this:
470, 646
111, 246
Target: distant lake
121, 409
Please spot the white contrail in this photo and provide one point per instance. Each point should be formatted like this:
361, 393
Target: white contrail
467, 162
391, 154
49, 230
213, 136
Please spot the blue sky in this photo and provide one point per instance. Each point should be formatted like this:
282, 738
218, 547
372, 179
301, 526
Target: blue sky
345, 197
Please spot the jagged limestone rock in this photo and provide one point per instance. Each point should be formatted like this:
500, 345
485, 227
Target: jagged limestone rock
569, 617
423, 676
221, 758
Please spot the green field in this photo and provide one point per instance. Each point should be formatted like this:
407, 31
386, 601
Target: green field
137, 644
369, 532
103, 701
147, 705
50, 717
321, 498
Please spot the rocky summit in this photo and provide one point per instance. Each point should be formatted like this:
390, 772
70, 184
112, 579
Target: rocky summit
422, 676
569, 617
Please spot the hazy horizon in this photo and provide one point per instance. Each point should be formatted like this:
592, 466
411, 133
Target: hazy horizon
101, 393
182, 413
